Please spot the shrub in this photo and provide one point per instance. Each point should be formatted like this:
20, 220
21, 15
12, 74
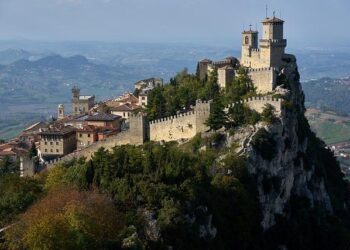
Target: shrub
268, 113
264, 144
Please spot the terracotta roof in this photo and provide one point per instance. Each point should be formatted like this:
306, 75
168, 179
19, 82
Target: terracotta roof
103, 117
55, 131
272, 20
34, 125
87, 128
124, 107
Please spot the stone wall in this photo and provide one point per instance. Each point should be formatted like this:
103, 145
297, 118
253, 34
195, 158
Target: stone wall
136, 135
264, 79
258, 104
182, 126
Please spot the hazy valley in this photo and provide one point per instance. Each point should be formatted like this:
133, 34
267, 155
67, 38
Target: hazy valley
38, 76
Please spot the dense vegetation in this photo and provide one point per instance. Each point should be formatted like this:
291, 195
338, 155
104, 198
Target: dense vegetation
198, 195
180, 187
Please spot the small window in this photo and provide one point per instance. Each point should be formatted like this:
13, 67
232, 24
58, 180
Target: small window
88, 135
246, 40
57, 143
46, 150
143, 98
51, 143
51, 150
46, 143
80, 135
57, 150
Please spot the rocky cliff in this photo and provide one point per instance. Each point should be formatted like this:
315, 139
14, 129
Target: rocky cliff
287, 159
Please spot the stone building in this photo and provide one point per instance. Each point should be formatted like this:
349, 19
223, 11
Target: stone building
226, 75
60, 112
81, 104
270, 52
124, 110
204, 67
149, 83
57, 142
104, 120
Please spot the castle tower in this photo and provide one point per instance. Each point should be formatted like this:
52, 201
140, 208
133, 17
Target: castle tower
75, 92
249, 46
272, 44
60, 113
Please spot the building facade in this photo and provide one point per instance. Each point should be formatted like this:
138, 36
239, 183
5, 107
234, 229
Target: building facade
81, 104
269, 53
56, 143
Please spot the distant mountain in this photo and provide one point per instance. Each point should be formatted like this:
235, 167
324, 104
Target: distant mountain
50, 79
9, 56
32, 90
328, 94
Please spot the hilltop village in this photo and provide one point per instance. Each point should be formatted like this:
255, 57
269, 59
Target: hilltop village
88, 125
220, 159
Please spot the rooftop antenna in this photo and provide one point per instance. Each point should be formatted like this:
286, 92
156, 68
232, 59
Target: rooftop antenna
267, 8
250, 27
274, 14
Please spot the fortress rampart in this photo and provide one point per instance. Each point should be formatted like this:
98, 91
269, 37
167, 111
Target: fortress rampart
182, 126
264, 79
258, 104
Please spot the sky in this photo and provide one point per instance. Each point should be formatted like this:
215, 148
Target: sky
312, 23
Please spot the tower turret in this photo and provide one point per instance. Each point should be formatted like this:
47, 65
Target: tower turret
272, 44
60, 112
249, 46
75, 92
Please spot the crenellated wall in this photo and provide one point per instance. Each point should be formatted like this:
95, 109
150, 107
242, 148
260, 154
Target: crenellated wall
182, 126
258, 104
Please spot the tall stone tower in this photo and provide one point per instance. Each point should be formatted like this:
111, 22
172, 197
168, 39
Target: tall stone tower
249, 46
75, 93
60, 112
271, 49
272, 44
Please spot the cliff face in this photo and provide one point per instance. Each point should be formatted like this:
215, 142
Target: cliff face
289, 170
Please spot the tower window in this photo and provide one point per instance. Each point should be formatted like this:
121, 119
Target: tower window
246, 40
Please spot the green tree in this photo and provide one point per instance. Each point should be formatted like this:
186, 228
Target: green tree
217, 118
241, 87
8, 166
269, 113
33, 152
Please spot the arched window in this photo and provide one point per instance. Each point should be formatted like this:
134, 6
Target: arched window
246, 41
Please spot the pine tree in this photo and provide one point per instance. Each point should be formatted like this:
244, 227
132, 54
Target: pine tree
217, 118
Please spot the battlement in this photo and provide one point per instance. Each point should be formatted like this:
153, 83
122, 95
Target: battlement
258, 103
255, 50
169, 118
261, 69
181, 126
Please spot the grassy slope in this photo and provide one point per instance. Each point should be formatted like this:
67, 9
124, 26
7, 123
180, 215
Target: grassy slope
330, 127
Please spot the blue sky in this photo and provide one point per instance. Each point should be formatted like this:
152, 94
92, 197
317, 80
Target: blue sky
308, 22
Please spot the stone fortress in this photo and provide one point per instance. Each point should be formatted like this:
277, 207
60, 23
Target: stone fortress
263, 63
